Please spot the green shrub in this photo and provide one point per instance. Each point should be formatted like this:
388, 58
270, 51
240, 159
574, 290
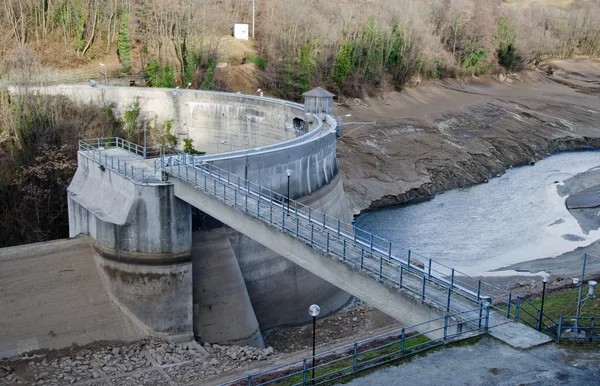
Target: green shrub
342, 64
508, 54
130, 118
123, 45
188, 147
209, 75
307, 65
170, 138
160, 76
260, 62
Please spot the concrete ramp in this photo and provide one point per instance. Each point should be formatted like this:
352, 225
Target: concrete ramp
51, 297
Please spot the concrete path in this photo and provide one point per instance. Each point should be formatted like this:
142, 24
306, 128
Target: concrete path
518, 335
490, 362
51, 297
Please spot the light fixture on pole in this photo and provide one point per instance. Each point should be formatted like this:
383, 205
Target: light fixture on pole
314, 311
105, 77
545, 280
579, 282
289, 174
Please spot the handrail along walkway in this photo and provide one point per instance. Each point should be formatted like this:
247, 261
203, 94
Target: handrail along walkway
373, 255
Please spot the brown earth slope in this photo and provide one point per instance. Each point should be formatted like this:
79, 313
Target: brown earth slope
455, 133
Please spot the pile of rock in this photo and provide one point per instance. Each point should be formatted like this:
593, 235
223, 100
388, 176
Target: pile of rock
242, 354
144, 362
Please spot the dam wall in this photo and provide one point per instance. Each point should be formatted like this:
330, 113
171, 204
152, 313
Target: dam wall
142, 235
217, 122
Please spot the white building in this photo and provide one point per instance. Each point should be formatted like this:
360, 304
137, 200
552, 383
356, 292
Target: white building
240, 31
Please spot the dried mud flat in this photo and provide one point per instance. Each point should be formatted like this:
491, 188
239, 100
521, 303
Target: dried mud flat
454, 133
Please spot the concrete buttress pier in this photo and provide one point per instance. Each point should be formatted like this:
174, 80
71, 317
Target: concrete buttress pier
142, 241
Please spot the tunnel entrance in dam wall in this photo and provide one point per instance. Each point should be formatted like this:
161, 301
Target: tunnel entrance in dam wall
224, 286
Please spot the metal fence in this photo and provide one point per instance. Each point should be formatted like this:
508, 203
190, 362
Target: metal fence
358, 356
112, 142
95, 150
530, 315
578, 328
372, 255
566, 327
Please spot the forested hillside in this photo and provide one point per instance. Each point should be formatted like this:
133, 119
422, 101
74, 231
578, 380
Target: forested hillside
350, 46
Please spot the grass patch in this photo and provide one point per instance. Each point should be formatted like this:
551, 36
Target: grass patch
259, 61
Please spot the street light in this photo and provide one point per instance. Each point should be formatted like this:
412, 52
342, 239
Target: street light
314, 311
545, 280
580, 303
105, 77
289, 174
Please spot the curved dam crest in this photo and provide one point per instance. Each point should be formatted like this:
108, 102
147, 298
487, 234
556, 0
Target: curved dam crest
177, 278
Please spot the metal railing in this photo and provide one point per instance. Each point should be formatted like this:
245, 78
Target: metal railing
361, 355
95, 150
112, 142
566, 328
528, 314
372, 255
578, 328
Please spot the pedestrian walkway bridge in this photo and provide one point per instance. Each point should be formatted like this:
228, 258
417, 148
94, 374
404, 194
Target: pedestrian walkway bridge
399, 282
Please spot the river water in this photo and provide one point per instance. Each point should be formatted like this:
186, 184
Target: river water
513, 218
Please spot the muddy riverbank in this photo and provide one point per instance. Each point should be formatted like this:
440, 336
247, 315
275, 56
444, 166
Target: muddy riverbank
449, 134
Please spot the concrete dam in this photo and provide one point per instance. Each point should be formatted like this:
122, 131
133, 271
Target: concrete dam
177, 272
225, 245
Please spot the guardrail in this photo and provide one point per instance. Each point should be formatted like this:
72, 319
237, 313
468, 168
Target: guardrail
370, 254
566, 328
358, 356
95, 150
578, 328
111, 142
530, 315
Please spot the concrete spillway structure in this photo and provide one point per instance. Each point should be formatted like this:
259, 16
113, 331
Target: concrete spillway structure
222, 286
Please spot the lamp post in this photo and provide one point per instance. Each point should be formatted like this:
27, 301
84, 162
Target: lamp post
105, 77
314, 311
545, 280
289, 174
580, 283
